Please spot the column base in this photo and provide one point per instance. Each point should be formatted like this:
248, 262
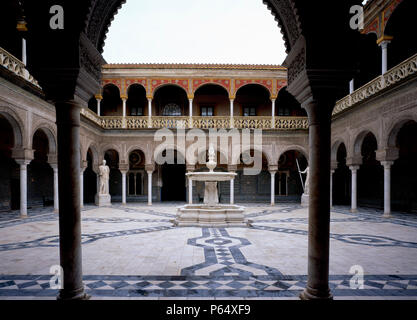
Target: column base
23, 216
56, 210
354, 210
313, 294
387, 215
73, 295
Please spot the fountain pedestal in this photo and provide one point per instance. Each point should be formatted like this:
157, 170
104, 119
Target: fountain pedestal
211, 213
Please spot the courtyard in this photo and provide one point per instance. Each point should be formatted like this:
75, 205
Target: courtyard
135, 252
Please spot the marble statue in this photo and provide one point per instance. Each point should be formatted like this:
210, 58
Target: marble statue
307, 182
104, 172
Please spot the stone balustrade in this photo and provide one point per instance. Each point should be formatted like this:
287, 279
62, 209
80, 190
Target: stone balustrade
13, 64
398, 73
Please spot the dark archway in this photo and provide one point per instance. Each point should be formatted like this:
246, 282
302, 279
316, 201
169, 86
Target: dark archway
111, 105
404, 174
341, 179
137, 102
137, 178
9, 169
286, 105
90, 179
288, 180
171, 100
211, 100
173, 180
370, 175
40, 173
115, 181
253, 100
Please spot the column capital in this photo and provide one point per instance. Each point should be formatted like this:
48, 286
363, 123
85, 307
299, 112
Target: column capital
273, 168
232, 167
384, 40
54, 166
387, 164
333, 165
354, 167
190, 96
83, 165
149, 97
387, 154
190, 167
23, 162
23, 154
150, 168
98, 97
52, 158
274, 98
232, 98
123, 167
354, 161
123, 97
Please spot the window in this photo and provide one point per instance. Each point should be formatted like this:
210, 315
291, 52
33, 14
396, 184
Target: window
172, 109
249, 111
136, 111
207, 111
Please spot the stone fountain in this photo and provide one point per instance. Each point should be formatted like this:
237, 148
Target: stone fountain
211, 213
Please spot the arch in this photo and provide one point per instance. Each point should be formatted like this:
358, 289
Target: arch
211, 83
135, 84
16, 124
155, 90
335, 148
254, 84
94, 151
358, 141
298, 148
266, 154
140, 148
50, 133
158, 150
394, 128
110, 146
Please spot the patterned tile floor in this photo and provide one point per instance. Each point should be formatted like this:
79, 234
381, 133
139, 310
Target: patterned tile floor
134, 252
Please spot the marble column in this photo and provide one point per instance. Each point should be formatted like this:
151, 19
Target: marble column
24, 56
81, 188
272, 187
56, 202
191, 112
68, 125
149, 112
231, 113
384, 47
387, 187
354, 195
99, 98
123, 187
23, 187
319, 115
149, 188
273, 114
351, 86
190, 191
232, 191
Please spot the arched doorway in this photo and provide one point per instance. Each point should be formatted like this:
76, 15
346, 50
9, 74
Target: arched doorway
171, 100
370, 175
90, 179
9, 169
115, 178
404, 173
137, 101
253, 100
288, 183
112, 103
211, 100
136, 177
173, 179
341, 178
40, 173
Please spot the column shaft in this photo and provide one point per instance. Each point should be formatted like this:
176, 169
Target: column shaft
123, 188
23, 189
68, 124
232, 191
331, 188
149, 188
319, 202
82, 189
149, 112
56, 202
99, 107
273, 114
231, 113
387, 187
190, 191
354, 203
272, 187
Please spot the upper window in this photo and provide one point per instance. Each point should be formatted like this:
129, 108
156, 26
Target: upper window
249, 111
172, 109
207, 111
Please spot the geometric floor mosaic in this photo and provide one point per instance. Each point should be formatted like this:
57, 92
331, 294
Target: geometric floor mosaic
149, 258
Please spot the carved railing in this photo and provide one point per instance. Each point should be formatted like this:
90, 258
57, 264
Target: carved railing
13, 64
253, 122
390, 78
291, 123
132, 123
211, 122
170, 122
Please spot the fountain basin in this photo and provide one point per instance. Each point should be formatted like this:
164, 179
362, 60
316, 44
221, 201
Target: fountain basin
211, 176
203, 215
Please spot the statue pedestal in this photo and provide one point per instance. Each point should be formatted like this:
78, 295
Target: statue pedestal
305, 198
103, 200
